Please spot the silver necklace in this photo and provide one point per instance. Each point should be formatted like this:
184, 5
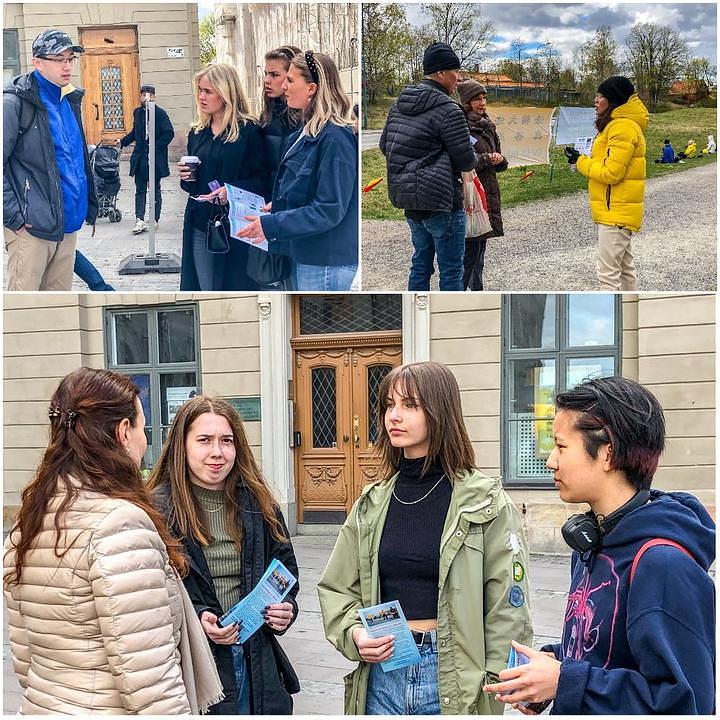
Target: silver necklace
415, 502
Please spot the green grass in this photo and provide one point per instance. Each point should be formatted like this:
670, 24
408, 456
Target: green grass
377, 112
677, 125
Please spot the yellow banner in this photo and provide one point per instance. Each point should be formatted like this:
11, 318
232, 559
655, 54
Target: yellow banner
524, 133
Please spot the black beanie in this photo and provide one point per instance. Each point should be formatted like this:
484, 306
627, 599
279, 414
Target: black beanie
440, 56
617, 89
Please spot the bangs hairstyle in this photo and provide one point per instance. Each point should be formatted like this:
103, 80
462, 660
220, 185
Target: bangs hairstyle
284, 54
185, 512
226, 82
329, 104
435, 389
624, 414
87, 450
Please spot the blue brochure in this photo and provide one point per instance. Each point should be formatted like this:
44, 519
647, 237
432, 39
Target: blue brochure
515, 660
389, 619
273, 587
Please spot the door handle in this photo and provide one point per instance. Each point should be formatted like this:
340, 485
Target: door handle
346, 438
356, 430
97, 111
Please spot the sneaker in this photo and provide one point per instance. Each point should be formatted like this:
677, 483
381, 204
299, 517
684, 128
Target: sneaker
140, 226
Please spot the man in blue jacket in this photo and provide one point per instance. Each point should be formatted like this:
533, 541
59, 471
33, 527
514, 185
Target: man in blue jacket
426, 143
639, 631
48, 190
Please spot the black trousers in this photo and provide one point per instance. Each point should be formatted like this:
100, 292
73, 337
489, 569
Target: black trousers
141, 184
474, 263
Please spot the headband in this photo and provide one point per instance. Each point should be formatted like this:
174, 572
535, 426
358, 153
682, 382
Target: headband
312, 66
286, 52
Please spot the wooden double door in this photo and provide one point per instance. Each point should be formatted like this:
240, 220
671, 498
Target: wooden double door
336, 423
110, 74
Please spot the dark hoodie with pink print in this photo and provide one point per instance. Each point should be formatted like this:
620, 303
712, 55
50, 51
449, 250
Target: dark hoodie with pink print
646, 647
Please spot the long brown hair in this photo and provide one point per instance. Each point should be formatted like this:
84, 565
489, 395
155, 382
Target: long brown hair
284, 54
172, 470
435, 389
603, 120
85, 411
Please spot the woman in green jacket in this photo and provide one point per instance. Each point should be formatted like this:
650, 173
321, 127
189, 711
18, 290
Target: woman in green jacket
442, 539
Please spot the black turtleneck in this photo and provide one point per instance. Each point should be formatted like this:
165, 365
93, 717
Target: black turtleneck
409, 558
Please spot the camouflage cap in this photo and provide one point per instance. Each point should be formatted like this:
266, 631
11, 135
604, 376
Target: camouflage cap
53, 42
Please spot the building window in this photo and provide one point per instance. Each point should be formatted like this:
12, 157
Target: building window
158, 348
11, 55
550, 343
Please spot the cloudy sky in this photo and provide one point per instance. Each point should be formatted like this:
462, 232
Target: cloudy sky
567, 26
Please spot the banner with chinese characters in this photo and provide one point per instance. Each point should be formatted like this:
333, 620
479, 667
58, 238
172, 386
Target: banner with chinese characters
524, 133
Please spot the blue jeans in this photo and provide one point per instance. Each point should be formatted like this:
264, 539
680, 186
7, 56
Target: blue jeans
89, 274
442, 234
410, 690
242, 681
323, 277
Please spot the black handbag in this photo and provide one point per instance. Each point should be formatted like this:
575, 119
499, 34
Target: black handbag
265, 268
217, 241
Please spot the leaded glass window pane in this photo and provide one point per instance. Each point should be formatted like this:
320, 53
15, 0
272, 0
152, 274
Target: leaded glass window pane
324, 408
321, 314
112, 98
376, 373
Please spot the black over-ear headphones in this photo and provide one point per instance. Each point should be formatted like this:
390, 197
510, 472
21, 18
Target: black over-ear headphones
584, 532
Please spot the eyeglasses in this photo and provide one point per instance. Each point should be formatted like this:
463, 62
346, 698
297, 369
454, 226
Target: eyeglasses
62, 61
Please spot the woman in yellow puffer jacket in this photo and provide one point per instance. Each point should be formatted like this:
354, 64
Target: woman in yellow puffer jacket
616, 179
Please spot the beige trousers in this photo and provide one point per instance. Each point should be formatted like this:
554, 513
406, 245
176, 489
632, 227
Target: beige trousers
36, 264
615, 266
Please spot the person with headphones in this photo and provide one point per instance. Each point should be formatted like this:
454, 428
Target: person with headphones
639, 629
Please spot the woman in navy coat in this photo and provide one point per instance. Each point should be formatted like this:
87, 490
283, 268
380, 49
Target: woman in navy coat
314, 209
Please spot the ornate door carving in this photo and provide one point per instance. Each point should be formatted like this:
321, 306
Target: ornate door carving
109, 73
336, 396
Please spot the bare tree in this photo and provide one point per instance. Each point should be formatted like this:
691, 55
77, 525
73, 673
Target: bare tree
655, 57
461, 26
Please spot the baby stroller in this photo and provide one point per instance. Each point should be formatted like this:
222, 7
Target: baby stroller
105, 164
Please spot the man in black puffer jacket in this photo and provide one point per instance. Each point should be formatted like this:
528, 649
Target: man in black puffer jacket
427, 145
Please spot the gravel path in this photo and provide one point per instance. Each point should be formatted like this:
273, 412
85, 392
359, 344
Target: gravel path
551, 245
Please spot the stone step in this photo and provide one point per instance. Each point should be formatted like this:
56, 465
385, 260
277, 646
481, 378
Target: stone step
319, 530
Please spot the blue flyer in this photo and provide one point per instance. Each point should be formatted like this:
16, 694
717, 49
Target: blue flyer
273, 587
389, 619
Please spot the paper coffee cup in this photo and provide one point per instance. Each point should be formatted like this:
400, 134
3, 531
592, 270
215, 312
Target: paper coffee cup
192, 161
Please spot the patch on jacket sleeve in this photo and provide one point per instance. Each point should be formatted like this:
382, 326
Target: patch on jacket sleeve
516, 597
518, 571
514, 543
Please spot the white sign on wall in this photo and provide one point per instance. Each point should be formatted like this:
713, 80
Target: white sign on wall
176, 52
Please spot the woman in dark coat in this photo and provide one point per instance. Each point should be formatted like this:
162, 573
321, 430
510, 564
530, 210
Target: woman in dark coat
231, 150
314, 210
277, 120
490, 161
210, 489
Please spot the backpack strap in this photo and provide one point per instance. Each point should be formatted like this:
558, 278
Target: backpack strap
652, 543
27, 116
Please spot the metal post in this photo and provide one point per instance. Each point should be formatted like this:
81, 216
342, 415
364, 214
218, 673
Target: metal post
151, 191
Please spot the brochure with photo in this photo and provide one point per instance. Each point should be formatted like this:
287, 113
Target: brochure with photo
389, 619
275, 584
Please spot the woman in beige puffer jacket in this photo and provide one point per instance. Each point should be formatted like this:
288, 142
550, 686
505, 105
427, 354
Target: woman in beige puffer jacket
95, 611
